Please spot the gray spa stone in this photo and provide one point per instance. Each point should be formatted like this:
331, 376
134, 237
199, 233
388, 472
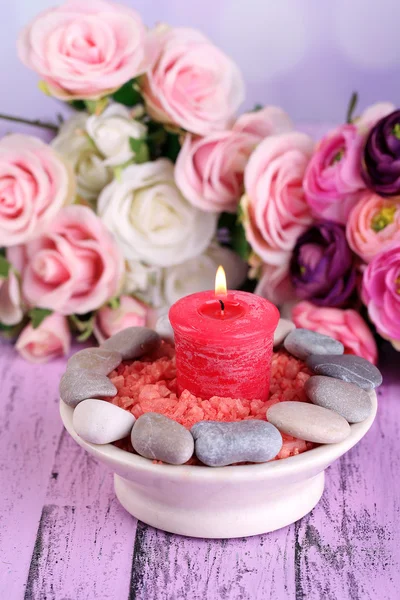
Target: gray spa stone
347, 399
218, 444
352, 369
303, 342
157, 437
309, 422
95, 359
133, 342
80, 384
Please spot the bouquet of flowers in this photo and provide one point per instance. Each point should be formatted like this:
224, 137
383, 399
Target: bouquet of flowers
154, 181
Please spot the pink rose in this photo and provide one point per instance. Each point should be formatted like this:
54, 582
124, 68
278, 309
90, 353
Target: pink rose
130, 313
373, 225
275, 284
209, 171
75, 267
51, 339
333, 181
269, 120
191, 83
274, 205
346, 326
85, 49
381, 293
35, 183
10, 300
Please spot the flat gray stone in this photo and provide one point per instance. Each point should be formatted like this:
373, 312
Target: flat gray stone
157, 437
218, 444
282, 331
352, 369
133, 342
309, 422
347, 399
80, 384
95, 359
303, 342
100, 422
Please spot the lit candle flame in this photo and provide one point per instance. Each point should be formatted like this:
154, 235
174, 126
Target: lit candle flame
220, 282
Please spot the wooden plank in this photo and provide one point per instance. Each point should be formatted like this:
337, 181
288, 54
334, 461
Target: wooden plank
85, 540
171, 567
29, 430
348, 548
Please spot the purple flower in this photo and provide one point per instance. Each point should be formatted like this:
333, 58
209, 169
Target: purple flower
322, 266
381, 168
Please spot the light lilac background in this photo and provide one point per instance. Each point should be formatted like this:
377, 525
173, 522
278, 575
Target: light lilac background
305, 55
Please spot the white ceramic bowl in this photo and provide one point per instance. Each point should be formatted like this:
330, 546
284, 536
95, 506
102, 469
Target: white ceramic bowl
222, 502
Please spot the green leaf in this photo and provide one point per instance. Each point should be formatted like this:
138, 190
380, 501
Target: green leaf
172, 146
128, 94
240, 243
83, 324
38, 315
4, 267
141, 150
257, 107
114, 303
78, 104
351, 107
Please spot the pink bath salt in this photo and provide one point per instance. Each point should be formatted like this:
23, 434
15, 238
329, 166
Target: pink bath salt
149, 385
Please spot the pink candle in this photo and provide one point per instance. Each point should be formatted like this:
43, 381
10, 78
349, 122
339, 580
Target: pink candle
224, 344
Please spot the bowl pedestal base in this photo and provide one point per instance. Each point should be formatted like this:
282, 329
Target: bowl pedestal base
220, 516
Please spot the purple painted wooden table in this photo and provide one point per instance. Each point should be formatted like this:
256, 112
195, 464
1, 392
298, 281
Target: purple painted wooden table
63, 535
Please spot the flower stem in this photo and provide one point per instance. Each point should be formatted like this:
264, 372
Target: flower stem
34, 123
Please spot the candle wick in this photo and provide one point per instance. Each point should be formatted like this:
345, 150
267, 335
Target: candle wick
222, 306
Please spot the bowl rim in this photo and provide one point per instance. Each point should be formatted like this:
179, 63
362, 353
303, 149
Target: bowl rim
322, 455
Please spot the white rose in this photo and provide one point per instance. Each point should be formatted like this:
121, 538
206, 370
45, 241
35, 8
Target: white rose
198, 274
150, 218
111, 131
144, 281
91, 171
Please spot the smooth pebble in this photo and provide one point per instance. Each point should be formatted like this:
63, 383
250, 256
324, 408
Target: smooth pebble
347, 399
282, 331
79, 384
133, 342
99, 422
95, 359
218, 444
309, 422
303, 342
157, 437
348, 367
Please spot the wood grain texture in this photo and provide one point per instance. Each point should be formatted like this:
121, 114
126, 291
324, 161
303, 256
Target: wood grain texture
63, 535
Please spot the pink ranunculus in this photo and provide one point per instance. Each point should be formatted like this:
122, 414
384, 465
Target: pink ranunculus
372, 114
346, 326
191, 84
35, 183
333, 181
130, 313
50, 339
209, 170
269, 120
381, 293
274, 205
85, 49
275, 284
75, 267
11, 312
373, 225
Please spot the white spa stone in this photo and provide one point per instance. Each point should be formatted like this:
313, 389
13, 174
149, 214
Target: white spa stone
99, 422
284, 328
164, 328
